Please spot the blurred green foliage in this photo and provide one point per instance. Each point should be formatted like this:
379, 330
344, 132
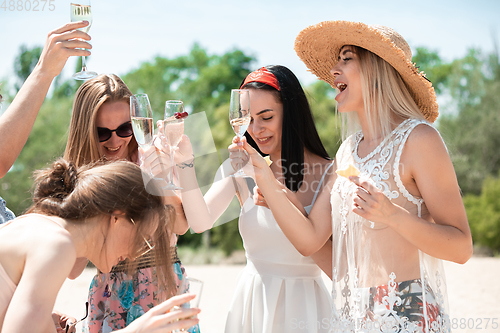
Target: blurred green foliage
469, 122
483, 212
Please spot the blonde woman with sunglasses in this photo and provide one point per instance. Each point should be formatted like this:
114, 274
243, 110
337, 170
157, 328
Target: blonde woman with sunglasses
100, 129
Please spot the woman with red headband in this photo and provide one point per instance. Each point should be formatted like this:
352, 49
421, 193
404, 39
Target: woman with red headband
279, 290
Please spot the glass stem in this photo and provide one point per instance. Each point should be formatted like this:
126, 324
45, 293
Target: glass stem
84, 65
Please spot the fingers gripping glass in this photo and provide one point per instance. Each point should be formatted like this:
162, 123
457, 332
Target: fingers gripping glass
81, 10
239, 116
123, 131
173, 129
68, 326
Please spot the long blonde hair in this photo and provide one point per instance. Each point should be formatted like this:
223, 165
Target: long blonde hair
83, 141
385, 95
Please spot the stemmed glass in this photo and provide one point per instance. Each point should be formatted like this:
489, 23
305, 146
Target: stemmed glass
239, 115
192, 286
141, 117
80, 11
173, 129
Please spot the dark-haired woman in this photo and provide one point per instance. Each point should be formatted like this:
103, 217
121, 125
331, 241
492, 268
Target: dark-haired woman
279, 290
102, 213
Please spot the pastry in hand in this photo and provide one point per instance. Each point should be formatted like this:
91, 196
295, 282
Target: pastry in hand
268, 160
351, 170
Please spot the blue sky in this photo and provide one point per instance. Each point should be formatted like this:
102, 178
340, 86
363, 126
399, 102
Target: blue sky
135, 31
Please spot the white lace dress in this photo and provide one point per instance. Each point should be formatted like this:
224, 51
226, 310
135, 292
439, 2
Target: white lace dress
381, 282
279, 290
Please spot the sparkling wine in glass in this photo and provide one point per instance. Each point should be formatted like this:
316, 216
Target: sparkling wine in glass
173, 129
239, 115
141, 117
82, 11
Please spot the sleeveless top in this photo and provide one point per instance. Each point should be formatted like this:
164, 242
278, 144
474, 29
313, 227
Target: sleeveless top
381, 282
279, 290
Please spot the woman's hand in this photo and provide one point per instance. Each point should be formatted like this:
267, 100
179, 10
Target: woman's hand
259, 169
61, 44
155, 161
370, 203
165, 318
239, 157
184, 150
258, 198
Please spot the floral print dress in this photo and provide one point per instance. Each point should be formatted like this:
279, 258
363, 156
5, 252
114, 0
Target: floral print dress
116, 299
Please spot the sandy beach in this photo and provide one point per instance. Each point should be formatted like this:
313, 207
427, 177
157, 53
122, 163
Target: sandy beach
472, 293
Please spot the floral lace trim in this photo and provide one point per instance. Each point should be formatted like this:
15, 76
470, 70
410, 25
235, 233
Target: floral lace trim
397, 176
359, 136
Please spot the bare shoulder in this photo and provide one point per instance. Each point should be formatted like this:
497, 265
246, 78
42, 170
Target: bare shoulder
424, 143
40, 230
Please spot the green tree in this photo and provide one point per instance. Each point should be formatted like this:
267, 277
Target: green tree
483, 212
45, 143
25, 63
472, 132
321, 97
434, 68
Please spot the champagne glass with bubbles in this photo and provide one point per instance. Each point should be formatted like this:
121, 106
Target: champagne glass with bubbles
82, 11
141, 116
173, 129
239, 115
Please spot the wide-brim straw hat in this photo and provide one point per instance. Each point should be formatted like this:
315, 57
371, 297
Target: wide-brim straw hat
318, 46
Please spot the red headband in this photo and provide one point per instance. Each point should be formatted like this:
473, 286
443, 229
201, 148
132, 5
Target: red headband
262, 75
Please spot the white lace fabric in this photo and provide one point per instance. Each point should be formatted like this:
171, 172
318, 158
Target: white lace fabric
381, 282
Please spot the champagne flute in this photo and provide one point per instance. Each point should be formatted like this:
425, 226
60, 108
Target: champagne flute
80, 11
141, 117
239, 115
173, 129
192, 286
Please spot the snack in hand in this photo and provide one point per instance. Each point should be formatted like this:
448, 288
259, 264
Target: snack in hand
351, 170
268, 160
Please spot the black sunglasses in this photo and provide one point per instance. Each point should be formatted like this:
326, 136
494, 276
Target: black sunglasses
123, 131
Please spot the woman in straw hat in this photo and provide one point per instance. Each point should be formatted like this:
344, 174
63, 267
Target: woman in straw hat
100, 212
399, 213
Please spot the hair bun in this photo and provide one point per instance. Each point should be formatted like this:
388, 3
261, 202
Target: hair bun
56, 182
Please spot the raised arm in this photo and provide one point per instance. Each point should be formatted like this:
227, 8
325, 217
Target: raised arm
17, 121
201, 212
307, 234
428, 172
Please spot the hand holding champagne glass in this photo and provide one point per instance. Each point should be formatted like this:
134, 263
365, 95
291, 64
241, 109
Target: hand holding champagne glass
82, 11
173, 129
141, 116
239, 115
